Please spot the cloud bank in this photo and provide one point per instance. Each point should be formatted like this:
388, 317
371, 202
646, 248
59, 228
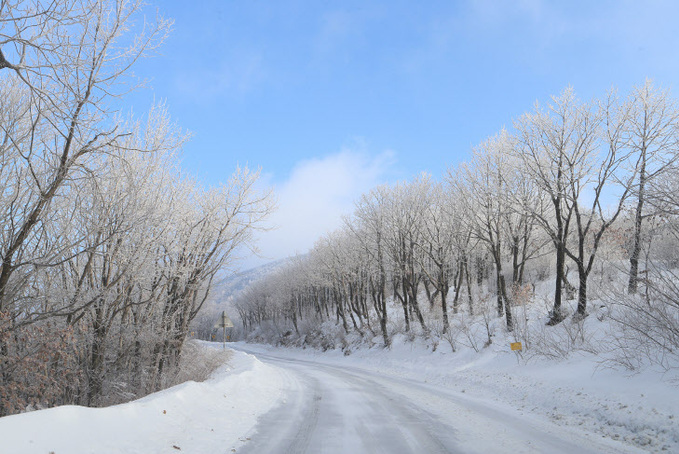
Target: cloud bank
313, 199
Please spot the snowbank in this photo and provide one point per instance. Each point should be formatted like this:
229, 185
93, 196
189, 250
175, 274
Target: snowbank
191, 417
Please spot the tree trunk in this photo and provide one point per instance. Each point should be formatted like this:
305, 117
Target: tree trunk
582, 292
632, 285
498, 294
556, 316
443, 290
404, 304
458, 288
95, 367
508, 309
383, 318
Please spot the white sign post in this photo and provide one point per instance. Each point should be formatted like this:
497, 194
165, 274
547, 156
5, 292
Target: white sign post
225, 322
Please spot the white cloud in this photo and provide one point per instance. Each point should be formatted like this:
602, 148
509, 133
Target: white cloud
313, 199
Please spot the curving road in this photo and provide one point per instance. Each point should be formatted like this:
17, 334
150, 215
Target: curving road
333, 409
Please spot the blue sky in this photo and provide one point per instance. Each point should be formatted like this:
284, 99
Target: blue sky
331, 98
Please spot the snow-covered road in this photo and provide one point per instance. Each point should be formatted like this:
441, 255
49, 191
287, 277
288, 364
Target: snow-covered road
332, 408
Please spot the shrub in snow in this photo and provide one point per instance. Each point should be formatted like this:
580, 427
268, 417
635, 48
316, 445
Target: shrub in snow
197, 363
39, 366
645, 327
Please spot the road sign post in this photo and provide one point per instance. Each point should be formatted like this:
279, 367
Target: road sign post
224, 322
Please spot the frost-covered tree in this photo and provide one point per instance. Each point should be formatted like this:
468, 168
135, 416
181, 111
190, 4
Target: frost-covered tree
369, 227
444, 244
62, 64
107, 249
653, 136
484, 186
555, 148
405, 208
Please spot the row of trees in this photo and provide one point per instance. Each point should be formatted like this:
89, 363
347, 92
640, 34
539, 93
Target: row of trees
567, 182
107, 249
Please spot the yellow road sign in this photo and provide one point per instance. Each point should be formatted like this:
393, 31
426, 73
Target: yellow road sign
516, 346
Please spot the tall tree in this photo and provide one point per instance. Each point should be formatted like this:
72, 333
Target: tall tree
405, 209
554, 146
443, 245
598, 188
68, 59
484, 186
369, 228
654, 139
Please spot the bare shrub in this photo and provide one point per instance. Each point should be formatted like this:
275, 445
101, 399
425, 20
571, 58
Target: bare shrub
561, 340
522, 294
522, 298
198, 362
646, 327
38, 368
487, 311
320, 339
450, 334
477, 330
471, 330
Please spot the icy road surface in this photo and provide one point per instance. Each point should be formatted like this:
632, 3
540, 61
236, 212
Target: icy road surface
342, 409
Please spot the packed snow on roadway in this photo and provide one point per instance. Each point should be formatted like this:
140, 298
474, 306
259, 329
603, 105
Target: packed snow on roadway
221, 414
639, 410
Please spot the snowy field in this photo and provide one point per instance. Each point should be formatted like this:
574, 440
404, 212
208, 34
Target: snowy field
623, 413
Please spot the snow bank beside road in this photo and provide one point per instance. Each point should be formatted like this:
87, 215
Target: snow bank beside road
192, 417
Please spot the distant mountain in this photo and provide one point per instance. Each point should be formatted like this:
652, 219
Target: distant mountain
236, 283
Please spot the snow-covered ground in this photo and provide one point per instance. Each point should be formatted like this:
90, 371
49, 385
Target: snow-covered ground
637, 410
339, 407
207, 417
637, 413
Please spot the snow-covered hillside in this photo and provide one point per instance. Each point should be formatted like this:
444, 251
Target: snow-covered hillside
233, 284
